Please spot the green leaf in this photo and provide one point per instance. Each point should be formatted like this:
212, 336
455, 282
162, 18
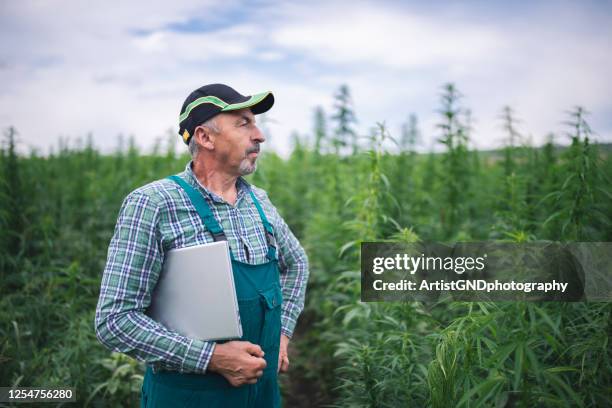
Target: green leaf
553, 217
518, 366
346, 247
482, 388
562, 369
556, 380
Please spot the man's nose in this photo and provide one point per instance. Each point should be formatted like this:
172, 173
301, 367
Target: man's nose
258, 135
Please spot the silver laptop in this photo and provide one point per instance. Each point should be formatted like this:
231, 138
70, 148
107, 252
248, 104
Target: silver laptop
195, 294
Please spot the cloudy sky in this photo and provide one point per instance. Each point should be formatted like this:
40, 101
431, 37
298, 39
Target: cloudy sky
72, 67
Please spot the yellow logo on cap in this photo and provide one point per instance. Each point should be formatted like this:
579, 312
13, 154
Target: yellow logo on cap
185, 135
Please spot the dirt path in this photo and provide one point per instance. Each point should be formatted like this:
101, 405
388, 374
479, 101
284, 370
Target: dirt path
301, 389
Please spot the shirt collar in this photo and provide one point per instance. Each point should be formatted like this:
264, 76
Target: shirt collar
242, 185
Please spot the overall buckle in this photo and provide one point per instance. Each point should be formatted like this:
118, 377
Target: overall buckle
219, 236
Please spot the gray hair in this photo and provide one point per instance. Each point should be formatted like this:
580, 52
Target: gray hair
193, 146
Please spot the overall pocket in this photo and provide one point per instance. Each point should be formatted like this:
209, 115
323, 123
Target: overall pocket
272, 300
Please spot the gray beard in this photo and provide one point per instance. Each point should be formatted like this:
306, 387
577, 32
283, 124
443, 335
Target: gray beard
246, 167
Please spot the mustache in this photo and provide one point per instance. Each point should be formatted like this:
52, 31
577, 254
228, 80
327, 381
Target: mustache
254, 149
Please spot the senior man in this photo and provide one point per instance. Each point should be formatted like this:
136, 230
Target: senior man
270, 267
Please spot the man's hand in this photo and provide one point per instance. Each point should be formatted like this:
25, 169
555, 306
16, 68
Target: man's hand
240, 362
283, 356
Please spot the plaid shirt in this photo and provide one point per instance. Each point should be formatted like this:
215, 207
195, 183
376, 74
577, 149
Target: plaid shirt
158, 217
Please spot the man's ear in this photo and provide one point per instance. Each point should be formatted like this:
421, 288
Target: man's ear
205, 137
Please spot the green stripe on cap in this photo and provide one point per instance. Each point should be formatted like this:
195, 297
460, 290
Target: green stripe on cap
205, 99
253, 100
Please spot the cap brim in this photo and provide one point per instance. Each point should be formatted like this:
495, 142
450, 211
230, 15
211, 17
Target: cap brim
259, 103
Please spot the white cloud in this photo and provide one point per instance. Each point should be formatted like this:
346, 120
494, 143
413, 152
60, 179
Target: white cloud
74, 67
376, 37
395, 62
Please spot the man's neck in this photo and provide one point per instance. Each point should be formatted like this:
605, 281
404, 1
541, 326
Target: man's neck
220, 183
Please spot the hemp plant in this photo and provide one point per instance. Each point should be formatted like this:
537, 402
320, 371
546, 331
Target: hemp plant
580, 199
455, 161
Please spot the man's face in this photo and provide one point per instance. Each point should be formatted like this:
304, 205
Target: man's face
238, 140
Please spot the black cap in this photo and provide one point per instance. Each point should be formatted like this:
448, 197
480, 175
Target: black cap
209, 100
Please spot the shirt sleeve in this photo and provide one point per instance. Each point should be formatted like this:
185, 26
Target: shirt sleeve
294, 270
134, 262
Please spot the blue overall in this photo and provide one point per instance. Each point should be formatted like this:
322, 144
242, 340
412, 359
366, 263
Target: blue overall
259, 301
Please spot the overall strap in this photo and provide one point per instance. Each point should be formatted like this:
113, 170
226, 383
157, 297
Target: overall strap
203, 209
267, 226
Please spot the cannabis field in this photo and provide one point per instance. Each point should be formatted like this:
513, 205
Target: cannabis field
335, 190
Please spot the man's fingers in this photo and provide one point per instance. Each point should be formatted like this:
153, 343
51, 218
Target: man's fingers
259, 364
254, 350
262, 363
284, 364
253, 379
